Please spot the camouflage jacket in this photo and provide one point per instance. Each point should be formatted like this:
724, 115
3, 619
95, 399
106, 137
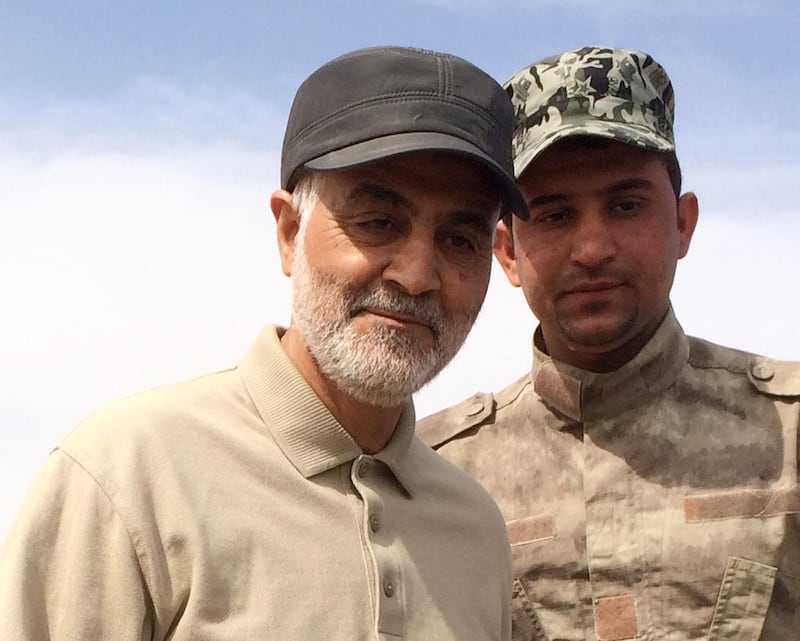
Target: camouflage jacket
658, 502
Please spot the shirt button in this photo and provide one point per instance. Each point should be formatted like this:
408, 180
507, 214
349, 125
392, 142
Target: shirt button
374, 523
363, 469
474, 408
388, 589
762, 372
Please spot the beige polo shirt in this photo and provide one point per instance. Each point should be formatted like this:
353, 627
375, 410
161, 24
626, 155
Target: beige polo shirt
235, 507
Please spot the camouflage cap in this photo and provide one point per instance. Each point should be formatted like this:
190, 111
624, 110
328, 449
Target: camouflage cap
595, 91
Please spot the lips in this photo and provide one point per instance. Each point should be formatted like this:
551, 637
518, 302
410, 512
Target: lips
583, 290
400, 318
403, 310
591, 287
426, 319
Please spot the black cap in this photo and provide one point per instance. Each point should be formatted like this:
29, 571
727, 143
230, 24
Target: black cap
385, 101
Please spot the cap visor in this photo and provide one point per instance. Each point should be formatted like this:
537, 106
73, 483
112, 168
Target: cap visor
404, 143
630, 134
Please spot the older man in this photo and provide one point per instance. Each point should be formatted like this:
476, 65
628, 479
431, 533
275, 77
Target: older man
649, 479
288, 498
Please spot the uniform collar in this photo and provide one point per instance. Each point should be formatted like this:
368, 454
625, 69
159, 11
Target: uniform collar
305, 430
581, 395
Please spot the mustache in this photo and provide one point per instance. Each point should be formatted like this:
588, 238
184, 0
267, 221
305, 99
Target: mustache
581, 275
385, 299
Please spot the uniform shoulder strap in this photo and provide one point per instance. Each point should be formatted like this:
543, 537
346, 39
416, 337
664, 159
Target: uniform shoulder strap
509, 394
773, 377
437, 429
440, 427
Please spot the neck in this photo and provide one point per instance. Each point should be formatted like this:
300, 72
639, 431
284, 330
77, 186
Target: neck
602, 358
369, 426
602, 362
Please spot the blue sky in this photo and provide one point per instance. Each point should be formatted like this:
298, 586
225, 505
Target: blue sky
139, 144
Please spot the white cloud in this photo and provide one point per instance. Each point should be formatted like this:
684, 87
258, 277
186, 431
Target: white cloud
137, 248
739, 284
148, 114
107, 258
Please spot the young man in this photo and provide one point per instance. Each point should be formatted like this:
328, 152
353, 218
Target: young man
288, 498
649, 480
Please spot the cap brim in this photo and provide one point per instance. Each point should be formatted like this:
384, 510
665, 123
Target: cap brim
404, 143
627, 133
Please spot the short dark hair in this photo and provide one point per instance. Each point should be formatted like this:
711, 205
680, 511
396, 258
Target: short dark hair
670, 159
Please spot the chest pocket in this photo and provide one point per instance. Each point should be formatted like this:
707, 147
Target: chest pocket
743, 601
758, 523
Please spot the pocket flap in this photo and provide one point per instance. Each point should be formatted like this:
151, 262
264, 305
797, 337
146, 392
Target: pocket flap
743, 600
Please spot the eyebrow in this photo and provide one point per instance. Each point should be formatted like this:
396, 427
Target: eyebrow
631, 183
622, 185
547, 200
375, 191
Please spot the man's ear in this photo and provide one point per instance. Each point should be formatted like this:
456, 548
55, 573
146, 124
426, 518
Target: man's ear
688, 211
504, 252
288, 224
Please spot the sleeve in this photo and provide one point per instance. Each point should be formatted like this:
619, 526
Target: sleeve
68, 569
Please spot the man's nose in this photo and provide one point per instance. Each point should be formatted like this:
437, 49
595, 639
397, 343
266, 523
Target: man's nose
593, 241
414, 266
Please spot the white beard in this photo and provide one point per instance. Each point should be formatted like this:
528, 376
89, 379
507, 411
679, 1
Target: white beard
381, 367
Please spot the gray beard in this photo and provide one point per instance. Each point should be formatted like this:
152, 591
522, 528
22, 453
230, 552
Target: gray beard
381, 367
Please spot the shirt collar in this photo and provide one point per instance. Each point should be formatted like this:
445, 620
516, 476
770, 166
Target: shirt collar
582, 395
305, 430
396, 452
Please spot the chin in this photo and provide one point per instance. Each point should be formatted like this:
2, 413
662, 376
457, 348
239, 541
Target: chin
600, 335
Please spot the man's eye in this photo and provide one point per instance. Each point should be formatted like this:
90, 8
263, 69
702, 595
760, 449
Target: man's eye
554, 217
377, 224
625, 208
461, 242
373, 228
468, 244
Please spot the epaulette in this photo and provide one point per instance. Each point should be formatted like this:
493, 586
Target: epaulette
768, 376
438, 428
773, 377
510, 393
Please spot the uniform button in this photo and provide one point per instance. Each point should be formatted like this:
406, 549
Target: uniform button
363, 469
762, 371
374, 523
474, 409
388, 589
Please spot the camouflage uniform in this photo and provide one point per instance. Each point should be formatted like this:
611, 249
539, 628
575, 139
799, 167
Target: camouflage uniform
660, 501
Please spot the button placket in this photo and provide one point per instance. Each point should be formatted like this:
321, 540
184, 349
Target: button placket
623, 537
391, 616
369, 479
